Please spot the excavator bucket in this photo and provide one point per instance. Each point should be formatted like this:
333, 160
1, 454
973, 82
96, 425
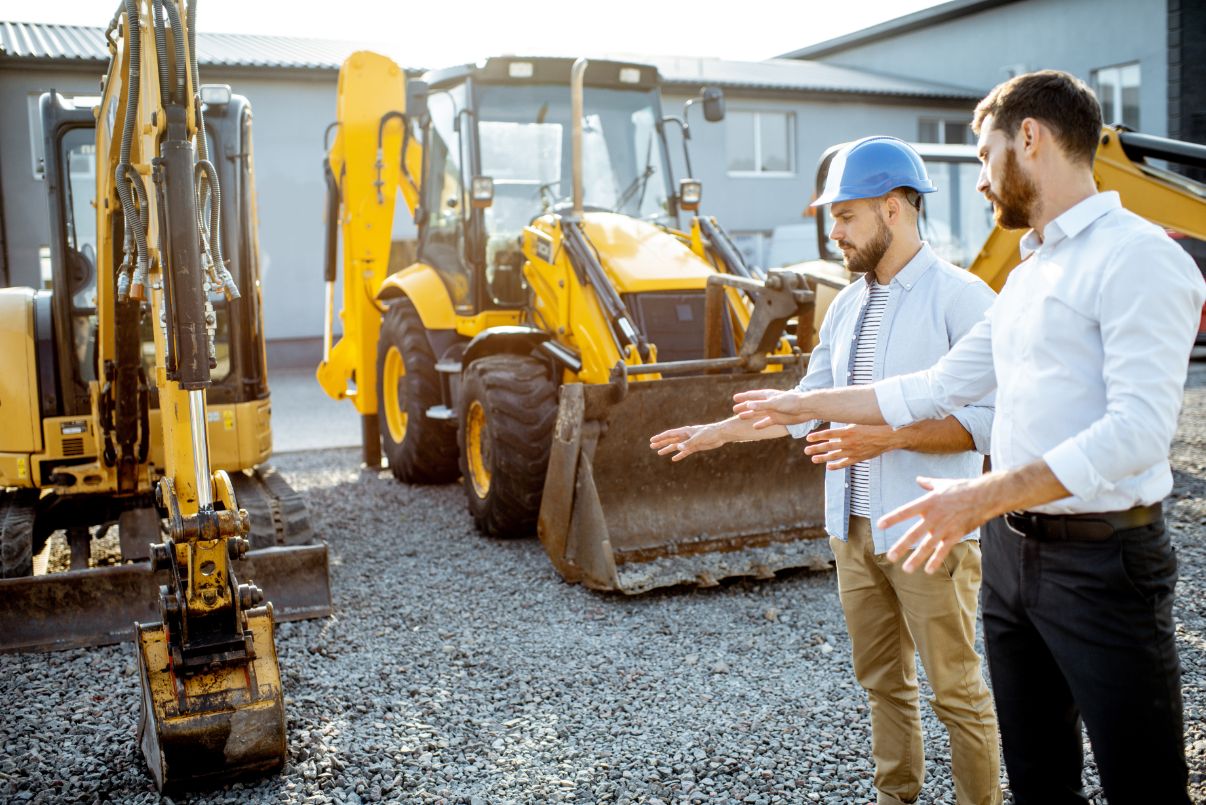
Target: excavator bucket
216, 725
100, 605
617, 516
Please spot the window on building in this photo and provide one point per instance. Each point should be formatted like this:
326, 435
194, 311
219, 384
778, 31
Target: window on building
37, 147
937, 130
1117, 89
760, 143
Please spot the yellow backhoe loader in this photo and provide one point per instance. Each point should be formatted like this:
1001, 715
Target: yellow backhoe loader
135, 393
958, 219
557, 317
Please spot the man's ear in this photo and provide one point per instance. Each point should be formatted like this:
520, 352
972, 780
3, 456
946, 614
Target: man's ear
892, 208
1030, 134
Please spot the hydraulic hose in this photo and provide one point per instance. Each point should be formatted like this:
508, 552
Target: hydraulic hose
134, 219
178, 40
219, 271
161, 47
210, 186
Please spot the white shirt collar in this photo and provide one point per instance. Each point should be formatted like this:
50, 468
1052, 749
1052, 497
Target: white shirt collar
911, 271
1071, 222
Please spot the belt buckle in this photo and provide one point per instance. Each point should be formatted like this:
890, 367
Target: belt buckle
1025, 523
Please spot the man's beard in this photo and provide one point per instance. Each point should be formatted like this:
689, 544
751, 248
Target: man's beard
864, 259
1013, 206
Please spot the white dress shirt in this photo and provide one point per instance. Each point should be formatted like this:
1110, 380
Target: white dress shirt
1087, 346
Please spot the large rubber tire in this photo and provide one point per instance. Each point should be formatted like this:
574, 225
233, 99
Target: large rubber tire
17, 517
420, 450
507, 411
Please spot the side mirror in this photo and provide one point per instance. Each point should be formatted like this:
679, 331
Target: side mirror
713, 104
416, 99
482, 192
215, 94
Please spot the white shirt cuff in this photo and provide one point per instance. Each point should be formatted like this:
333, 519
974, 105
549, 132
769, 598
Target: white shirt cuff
890, 395
802, 429
1074, 470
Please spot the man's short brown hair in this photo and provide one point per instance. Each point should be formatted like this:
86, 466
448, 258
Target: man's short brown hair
1059, 100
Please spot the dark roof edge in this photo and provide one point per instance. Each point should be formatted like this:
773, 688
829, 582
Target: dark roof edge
677, 83
894, 27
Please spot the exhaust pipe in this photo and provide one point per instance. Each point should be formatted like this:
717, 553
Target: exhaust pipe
577, 94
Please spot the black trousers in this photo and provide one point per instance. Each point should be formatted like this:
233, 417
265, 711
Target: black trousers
1084, 630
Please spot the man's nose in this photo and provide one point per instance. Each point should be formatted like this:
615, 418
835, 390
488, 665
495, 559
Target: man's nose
982, 183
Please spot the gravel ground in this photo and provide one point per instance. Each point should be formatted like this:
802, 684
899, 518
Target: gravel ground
462, 670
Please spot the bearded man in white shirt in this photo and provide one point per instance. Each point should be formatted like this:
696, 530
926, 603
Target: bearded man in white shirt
1087, 348
901, 315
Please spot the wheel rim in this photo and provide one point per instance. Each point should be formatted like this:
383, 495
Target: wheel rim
392, 384
476, 448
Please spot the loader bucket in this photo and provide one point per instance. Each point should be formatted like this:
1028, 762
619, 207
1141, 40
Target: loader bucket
617, 516
215, 726
100, 605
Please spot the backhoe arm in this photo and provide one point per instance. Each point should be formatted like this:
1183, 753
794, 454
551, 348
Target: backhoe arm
1167, 199
373, 159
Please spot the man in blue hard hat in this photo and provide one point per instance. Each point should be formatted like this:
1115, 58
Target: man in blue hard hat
905, 312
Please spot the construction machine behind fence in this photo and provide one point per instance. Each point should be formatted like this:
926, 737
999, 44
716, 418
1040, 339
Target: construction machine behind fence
958, 221
557, 317
135, 393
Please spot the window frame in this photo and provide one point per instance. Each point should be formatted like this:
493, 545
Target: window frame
791, 146
942, 123
1116, 99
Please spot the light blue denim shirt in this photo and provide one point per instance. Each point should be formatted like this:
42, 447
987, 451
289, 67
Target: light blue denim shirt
931, 305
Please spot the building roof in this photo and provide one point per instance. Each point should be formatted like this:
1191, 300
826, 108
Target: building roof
798, 76
81, 44
41, 43
901, 25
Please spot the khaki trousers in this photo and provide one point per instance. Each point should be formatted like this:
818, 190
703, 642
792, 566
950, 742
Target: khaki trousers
892, 616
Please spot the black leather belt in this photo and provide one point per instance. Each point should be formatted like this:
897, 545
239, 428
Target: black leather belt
1094, 527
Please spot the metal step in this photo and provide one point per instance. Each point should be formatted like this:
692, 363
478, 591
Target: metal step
441, 412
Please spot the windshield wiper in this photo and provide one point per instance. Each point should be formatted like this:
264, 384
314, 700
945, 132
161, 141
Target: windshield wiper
639, 182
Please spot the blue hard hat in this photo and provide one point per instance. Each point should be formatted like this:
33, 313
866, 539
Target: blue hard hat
871, 167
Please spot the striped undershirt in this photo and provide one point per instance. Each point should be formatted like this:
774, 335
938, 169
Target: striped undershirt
862, 371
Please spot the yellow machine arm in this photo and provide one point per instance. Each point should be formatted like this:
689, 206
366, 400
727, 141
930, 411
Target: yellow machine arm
373, 159
211, 704
1165, 198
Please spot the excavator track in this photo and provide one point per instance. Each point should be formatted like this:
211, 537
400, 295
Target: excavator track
278, 513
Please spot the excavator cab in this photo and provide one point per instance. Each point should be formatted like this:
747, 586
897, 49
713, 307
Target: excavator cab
61, 463
497, 139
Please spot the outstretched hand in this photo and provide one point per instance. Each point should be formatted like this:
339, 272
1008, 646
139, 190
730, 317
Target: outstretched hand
839, 448
950, 510
682, 442
767, 407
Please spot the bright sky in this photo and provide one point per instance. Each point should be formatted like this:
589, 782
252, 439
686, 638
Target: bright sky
438, 33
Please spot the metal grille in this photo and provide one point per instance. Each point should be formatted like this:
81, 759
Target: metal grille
675, 323
73, 447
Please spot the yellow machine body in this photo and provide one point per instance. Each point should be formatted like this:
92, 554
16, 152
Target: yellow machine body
471, 373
